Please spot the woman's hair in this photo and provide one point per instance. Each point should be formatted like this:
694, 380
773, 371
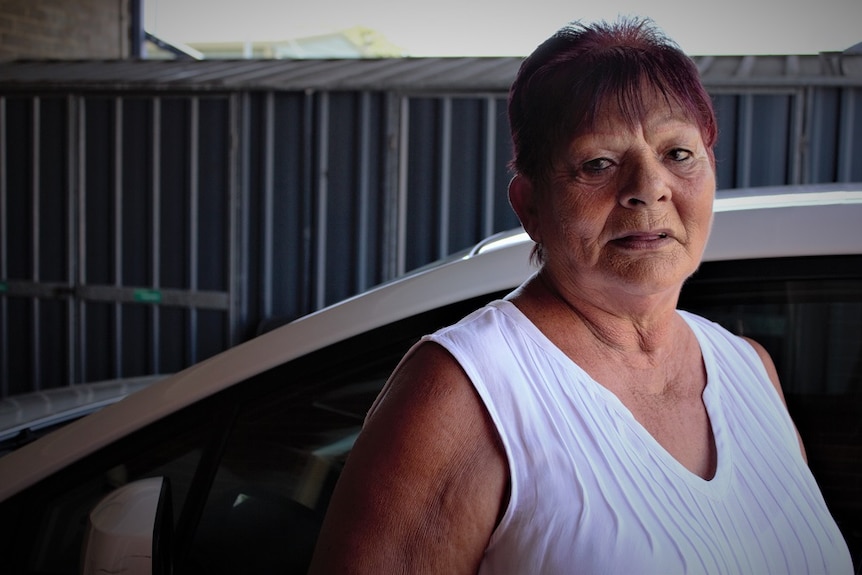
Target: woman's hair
562, 85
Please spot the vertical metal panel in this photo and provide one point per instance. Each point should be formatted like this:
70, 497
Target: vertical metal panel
354, 136
504, 217
321, 186
134, 191
364, 199
174, 187
156, 233
466, 175
51, 318
392, 153
35, 237
309, 136
213, 191
117, 343
339, 193
192, 255
98, 333
328, 188
403, 184
4, 312
174, 216
382, 186
835, 133
726, 106
760, 138
18, 127
71, 237
490, 189
18, 210
276, 196
20, 349
797, 138
849, 165
445, 167
456, 172
267, 214
52, 219
290, 211
769, 138
745, 142
250, 267
422, 201
136, 222
822, 149
375, 164
212, 217
98, 193
81, 253
235, 214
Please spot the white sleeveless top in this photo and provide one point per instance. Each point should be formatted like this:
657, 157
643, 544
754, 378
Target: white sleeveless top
593, 492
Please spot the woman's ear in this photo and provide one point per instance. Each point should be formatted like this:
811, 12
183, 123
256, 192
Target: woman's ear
522, 197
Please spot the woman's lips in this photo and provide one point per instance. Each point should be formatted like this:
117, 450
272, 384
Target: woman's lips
642, 240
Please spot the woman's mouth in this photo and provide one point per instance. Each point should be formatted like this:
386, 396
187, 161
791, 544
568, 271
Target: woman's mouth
642, 240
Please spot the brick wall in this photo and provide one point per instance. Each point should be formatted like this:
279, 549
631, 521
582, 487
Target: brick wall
64, 29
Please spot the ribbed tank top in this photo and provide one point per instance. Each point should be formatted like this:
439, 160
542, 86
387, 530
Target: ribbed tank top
593, 492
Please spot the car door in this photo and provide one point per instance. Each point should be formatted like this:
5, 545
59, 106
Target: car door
250, 468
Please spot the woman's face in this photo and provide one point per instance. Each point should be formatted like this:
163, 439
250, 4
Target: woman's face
626, 207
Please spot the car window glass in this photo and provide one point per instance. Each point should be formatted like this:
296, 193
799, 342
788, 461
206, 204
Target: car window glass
809, 318
62, 521
294, 428
277, 472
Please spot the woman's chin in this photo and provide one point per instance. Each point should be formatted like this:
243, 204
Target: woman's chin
652, 275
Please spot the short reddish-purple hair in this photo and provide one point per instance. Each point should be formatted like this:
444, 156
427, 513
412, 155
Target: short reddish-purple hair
563, 84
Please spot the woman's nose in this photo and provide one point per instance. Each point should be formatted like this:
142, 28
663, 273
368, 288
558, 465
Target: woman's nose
645, 185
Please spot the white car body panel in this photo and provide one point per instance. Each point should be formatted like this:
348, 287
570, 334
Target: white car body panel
40, 409
817, 220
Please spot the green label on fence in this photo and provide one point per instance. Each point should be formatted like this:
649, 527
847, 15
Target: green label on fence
148, 296
3, 287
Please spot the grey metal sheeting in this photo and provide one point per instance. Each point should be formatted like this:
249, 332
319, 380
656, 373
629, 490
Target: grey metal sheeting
414, 74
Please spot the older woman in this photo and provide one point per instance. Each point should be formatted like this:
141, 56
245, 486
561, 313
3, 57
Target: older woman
584, 424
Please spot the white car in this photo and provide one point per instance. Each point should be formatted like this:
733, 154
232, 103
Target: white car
227, 467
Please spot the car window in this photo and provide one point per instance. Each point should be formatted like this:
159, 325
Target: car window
51, 518
286, 449
807, 312
273, 483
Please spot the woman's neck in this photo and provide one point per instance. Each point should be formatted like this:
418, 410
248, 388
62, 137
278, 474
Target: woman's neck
630, 324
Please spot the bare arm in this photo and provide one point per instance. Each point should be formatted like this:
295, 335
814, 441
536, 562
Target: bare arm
424, 485
773, 376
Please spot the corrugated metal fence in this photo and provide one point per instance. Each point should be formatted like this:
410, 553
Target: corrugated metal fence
147, 226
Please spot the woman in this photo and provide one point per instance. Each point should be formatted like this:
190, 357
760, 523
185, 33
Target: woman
583, 424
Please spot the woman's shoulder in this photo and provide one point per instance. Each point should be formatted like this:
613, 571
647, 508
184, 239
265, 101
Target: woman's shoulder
491, 312
426, 457
428, 378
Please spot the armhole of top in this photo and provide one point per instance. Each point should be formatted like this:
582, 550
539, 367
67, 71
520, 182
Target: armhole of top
484, 395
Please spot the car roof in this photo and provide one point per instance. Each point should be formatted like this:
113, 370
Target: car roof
748, 224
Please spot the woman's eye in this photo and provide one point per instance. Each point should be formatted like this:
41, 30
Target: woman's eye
679, 155
597, 165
